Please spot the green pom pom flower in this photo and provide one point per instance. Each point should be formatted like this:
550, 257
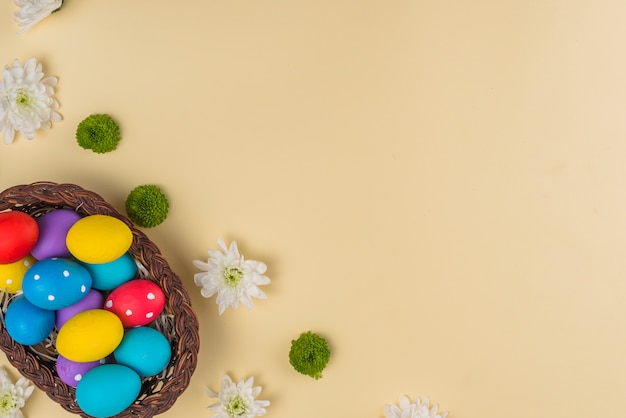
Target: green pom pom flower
147, 206
98, 133
309, 354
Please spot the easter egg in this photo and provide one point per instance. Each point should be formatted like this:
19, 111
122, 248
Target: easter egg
108, 276
11, 274
137, 302
107, 390
71, 372
98, 239
53, 227
56, 283
93, 300
90, 335
145, 350
19, 232
26, 323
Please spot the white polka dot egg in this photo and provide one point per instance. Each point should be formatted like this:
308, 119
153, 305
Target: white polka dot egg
136, 302
11, 274
71, 372
56, 283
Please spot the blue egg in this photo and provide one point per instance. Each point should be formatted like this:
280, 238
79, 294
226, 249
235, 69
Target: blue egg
145, 350
26, 323
108, 276
56, 283
107, 390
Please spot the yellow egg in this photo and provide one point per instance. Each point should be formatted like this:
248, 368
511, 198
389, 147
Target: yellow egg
90, 335
11, 274
99, 239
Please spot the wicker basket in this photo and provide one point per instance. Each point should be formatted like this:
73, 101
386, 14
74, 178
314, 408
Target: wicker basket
178, 321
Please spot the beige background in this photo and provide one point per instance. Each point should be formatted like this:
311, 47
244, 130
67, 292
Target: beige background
437, 187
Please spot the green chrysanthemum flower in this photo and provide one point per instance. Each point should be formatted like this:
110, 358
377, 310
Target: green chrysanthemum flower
147, 206
99, 133
309, 354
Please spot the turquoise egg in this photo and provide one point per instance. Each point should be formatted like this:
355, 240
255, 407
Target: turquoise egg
107, 390
145, 350
108, 276
56, 283
26, 323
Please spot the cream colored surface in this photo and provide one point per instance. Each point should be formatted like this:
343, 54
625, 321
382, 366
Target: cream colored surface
437, 187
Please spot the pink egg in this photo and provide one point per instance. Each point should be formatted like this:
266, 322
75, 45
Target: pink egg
93, 300
137, 302
53, 227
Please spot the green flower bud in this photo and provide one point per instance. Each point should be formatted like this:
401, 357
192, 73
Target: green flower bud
147, 206
309, 354
98, 133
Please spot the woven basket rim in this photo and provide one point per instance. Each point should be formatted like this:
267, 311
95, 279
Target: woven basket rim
158, 393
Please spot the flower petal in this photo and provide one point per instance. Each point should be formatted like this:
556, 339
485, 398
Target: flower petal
26, 102
234, 280
4, 377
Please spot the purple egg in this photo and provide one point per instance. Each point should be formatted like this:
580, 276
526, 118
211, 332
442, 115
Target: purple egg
92, 300
53, 227
71, 372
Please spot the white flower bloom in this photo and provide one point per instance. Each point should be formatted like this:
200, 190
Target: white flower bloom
26, 102
237, 401
13, 396
233, 279
32, 12
416, 409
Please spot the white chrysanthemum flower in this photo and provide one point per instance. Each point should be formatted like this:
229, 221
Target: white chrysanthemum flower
26, 102
233, 279
32, 12
416, 409
13, 396
237, 401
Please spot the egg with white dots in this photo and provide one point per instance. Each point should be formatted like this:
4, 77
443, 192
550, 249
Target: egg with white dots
137, 302
56, 283
72, 372
12, 274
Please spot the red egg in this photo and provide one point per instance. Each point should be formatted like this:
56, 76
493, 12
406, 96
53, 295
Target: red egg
18, 236
137, 302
